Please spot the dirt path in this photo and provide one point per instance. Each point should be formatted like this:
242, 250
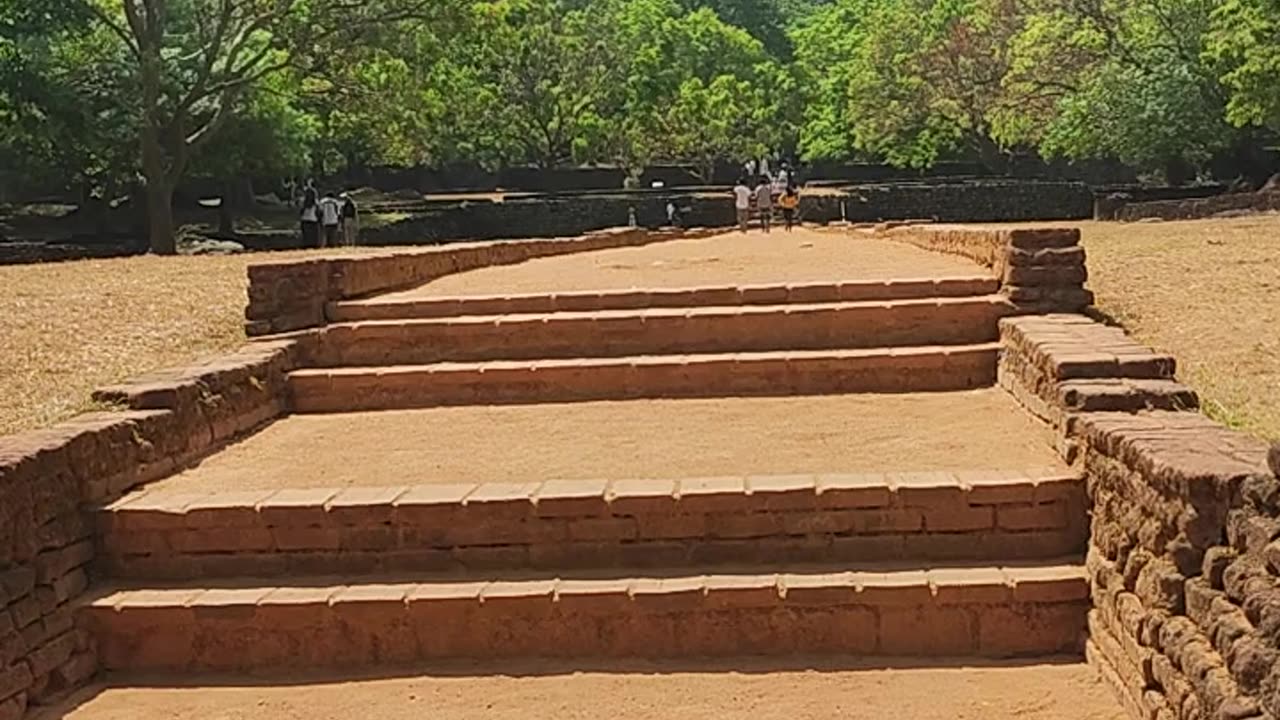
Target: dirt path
730, 259
981, 429
948, 692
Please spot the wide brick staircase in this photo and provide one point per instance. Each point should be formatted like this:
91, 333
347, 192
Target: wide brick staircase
699, 342
977, 563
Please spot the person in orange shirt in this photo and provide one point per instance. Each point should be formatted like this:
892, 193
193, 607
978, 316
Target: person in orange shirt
789, 202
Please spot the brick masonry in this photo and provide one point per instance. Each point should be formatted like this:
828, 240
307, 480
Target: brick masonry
663, 331
47, 541
1191, 208
1059, 366
636, 299
597, 524
758, 374
974, 612
1040, 270
1184, 553
293, 295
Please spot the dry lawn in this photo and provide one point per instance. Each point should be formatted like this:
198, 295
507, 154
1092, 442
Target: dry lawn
68, 328
1207, 291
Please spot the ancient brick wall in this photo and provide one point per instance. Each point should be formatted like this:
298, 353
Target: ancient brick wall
293, 295
1039, 270
1191, 208
974, 201
1184, 553
1184, 566
47, 477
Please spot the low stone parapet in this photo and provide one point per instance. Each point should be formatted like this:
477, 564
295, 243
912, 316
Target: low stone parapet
293, 295
47, 477
1061, 365
1184, 565
1041, 270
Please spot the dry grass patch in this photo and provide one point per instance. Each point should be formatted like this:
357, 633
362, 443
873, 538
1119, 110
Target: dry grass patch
1207, 291
68, 328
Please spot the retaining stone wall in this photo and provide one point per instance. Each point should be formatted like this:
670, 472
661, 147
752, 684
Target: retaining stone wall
293, 295
47, 546
1190, 209
974, 201
1039, 270
1184, 554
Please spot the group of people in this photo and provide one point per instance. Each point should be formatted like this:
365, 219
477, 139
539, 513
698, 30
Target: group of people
767, 192
328, 221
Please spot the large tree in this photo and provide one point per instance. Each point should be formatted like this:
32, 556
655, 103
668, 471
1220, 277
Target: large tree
193, 61
64, 117
1244, 45
910, 81
1123, 79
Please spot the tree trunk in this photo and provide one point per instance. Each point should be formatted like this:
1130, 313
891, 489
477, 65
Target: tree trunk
160, 218
160, 230
992, 157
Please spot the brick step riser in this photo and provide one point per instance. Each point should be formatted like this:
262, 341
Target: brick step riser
431, 528
395, 389
406, 555
411, 343
267, 637
645, 299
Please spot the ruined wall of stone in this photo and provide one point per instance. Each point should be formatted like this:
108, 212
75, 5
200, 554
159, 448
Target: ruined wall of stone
1192, 208
564, 215
293, 295
1184, 566
1039, 270
1184, 556
48, 478
1061, 365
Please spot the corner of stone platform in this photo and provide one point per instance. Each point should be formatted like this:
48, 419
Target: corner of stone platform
1184, 549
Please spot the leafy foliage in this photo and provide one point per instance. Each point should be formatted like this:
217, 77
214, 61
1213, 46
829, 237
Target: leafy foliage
98, 94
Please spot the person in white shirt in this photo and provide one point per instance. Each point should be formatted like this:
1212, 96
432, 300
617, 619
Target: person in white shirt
742, 203
330, 219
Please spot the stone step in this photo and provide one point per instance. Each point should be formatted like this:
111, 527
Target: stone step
245, 627
586, 524
665, 331
399, 307
801, 372
1125, 395
1057, 348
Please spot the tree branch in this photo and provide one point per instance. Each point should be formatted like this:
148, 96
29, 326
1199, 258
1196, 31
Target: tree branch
119, 30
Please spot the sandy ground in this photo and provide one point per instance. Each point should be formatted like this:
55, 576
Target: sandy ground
741, 689
982, 429
730, 259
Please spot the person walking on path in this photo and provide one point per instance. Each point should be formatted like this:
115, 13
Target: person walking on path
742, 203
310, 218
330, 219
789, 202
350, 220
764, 202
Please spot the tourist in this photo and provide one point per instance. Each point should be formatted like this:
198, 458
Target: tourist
742, 203
310, 218
330, 220
764, 202
350, 220
789, 202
